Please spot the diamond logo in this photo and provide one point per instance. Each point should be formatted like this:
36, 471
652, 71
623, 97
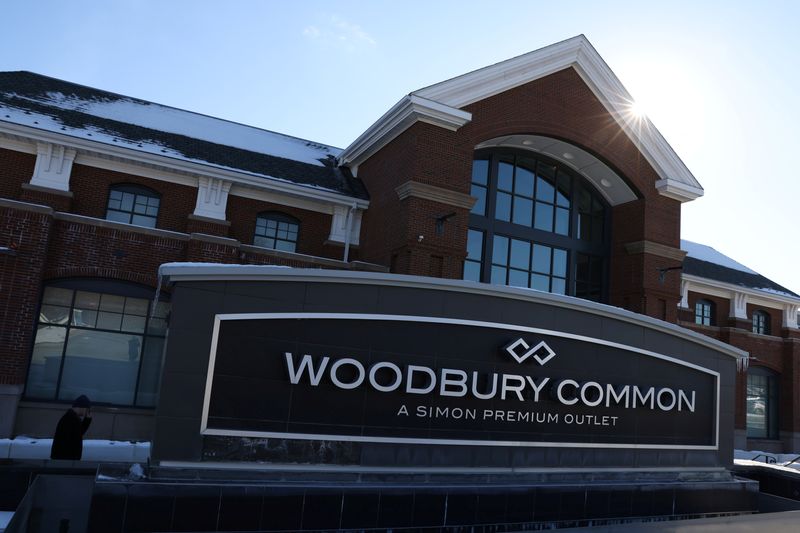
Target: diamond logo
541, 352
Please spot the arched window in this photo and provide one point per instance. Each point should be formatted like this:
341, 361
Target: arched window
536, 224
133, 204
276, 231
762, 403
761, 323
704, 313
100, 338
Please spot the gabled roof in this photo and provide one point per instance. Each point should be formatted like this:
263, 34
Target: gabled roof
707, 263
72, 110
442, 104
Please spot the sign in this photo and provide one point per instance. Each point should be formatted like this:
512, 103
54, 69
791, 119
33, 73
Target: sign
397, 378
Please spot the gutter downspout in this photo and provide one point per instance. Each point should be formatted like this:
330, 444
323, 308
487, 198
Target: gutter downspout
348, 231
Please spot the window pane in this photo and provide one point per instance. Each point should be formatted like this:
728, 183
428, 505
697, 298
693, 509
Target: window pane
498, 275
544, 217
286, 246
541, 258
56, 296
84, 318
562, 221
54, 314
540, 282
503, 207
523, 185
520, 254
559, 263
133, 323
45, 362
584, 227
118, 216
127, 201
474, 244
136, 306
480, 171
111, 302
545, 190
562, 192
87, 300
505, 174
480, 206
500, 250
264, 241
559, 286
523, 209
107, 320
145, 221
472, 271
150, 374
101, 365
518, 278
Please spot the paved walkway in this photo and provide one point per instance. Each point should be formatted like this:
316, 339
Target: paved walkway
786, 522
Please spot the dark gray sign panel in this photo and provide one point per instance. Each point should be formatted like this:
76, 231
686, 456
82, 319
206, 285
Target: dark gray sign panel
397, 378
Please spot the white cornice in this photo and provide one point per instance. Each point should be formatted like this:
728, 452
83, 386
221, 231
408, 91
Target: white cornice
407, 111
676, 181
727, 290
171, 164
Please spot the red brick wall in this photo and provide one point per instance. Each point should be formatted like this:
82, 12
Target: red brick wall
91, 186
16, 168
20, 277
314, 227
558, 106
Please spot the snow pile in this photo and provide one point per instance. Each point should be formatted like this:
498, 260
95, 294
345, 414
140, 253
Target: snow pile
93, 450
782, 461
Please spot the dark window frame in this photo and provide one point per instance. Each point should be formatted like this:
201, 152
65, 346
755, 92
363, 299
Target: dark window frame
99, 286
139, 192
757, 406
280, 219
593, 252
704, 312
761, 322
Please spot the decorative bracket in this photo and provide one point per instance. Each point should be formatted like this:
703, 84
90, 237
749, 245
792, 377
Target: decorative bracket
53, 166
212, 198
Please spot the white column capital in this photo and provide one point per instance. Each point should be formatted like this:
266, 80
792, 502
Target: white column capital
212, 198
790, 316
339, 225
738, 306
53, 166
684, 303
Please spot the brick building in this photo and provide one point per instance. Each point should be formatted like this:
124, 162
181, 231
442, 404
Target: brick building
532, 172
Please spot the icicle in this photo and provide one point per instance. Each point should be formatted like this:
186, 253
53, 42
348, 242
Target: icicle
743, 363
157, 295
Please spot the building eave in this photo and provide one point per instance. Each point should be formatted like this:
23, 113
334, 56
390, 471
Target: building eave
755, 296
197, 169
409, 110
676, 181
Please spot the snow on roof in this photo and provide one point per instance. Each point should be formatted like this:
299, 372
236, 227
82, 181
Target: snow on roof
702, 252
195, 125
705, 262
99, 116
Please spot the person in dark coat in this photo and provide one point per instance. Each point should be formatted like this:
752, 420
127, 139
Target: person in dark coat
68, 440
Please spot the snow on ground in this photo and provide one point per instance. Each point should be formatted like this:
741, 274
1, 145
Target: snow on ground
93, 450
5, 518
702, 252
759, 458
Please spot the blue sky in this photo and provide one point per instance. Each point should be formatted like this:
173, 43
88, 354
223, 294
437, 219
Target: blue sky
718, 79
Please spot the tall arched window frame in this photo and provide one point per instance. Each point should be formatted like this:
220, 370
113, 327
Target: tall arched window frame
133, 204
277, 231
536, 224
101, 338
762, 403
